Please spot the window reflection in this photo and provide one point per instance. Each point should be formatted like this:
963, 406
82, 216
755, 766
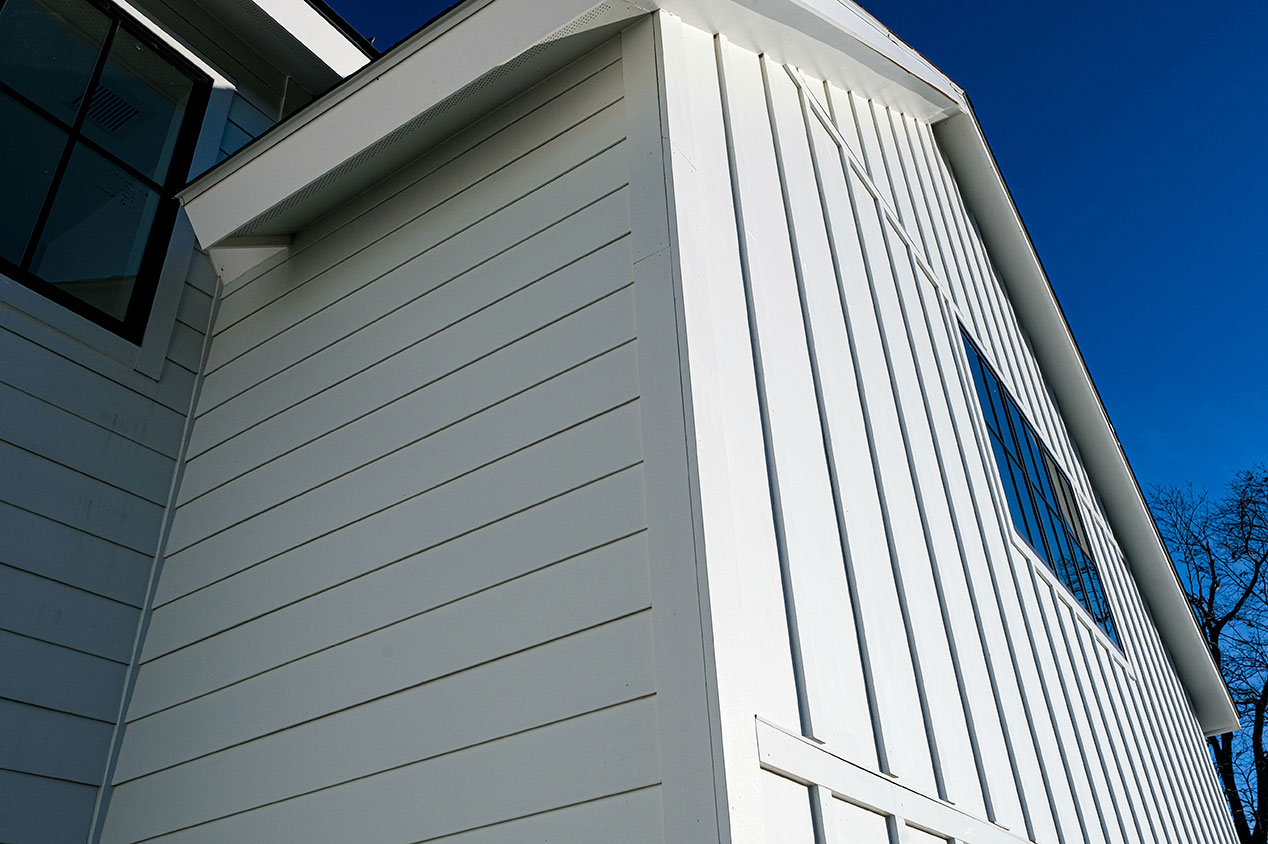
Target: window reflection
1040, 499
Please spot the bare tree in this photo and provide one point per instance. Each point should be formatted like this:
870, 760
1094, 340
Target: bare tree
1220, 548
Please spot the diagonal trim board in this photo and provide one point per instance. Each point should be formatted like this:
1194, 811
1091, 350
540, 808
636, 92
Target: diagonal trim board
800, 759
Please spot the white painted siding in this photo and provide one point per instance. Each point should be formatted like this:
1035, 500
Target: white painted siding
88, 448
408, 590
828, 266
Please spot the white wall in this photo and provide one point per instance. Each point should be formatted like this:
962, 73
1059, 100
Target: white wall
871, 605
409, 587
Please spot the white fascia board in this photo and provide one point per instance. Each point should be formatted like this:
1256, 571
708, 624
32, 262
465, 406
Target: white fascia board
1031, 294
828, 38
382, 98
326, 41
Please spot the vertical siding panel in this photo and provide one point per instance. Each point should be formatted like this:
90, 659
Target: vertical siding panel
1108, 734
860, 275
1137, 752
800, 489
854, 465
716, 312
871, 143
899, 185
923, 574
837, 101
1023, 647
1155, 671
1154, 665
1090, 748
845, 688
969, 301
1014, 717
984, 717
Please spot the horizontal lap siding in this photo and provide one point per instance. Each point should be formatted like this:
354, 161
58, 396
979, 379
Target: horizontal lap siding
922, 639
412, 517
87, 454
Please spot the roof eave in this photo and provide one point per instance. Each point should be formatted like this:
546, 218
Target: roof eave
1030, 291
342, 133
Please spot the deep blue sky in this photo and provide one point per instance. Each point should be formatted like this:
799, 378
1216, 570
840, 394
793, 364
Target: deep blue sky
1134, 137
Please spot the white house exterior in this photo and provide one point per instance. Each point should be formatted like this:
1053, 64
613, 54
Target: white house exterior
611, 423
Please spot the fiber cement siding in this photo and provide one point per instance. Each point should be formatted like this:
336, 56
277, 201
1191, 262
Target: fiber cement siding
407, 588
924, 641
88, 449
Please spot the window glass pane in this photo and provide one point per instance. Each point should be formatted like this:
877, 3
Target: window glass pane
48, 49
96, 233
36, 143
1031, 450
138, 105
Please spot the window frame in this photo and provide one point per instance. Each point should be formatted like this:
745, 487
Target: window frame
1040, 462
132, 327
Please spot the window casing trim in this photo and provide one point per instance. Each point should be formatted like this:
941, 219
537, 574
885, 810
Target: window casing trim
1060, 521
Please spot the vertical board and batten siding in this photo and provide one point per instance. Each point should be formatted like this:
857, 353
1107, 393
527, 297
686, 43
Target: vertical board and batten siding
903, 628
407, 591
88, 448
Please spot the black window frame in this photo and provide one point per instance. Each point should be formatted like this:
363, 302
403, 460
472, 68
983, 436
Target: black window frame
1040, 499
132, 326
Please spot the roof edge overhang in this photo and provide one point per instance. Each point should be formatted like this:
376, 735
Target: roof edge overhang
1014, 254
415, 94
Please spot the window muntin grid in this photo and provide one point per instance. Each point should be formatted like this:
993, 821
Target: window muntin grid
1040, 498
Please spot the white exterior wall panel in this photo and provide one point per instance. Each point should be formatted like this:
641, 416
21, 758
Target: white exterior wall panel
926, 642
88, 448
410, 587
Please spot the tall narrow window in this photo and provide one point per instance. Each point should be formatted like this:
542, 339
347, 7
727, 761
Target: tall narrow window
1040, 498
100, 121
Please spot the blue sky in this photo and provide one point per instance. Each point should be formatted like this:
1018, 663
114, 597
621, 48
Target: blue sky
1134, 137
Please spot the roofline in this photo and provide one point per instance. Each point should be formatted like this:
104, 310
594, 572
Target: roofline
349, 31
1013, 252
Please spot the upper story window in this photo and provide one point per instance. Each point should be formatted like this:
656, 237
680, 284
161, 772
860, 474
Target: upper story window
1040, 498
99, 122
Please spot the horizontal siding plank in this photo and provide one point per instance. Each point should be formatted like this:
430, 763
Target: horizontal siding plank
54, 612
42, 546
42, 486
373, 282
186, 347
89, 395
469, 389
580, 592
54, 677
510, 118
39, 810
451, 198
305, 623
516, 424
531, 364
195, 308
550, 258
495, 699
52, 744
247, 117
599, 754
45, 429
348, 382
513, 509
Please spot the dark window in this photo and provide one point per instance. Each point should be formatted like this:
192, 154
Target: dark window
1040, 499
99, 124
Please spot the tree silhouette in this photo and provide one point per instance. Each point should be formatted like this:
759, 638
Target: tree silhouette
1220, 549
